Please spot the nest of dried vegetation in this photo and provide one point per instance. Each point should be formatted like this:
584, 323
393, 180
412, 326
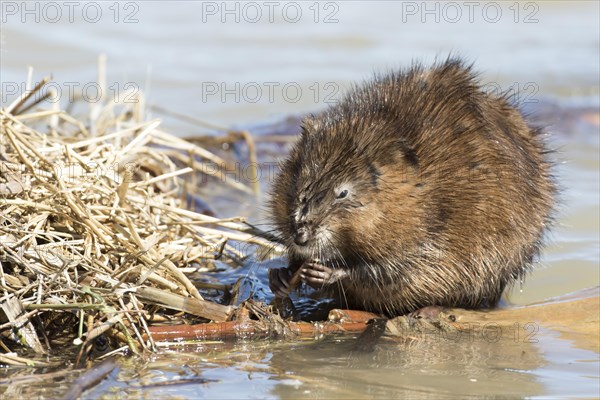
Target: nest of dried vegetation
96, 236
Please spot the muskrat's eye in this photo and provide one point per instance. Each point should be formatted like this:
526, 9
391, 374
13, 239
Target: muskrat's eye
342, 194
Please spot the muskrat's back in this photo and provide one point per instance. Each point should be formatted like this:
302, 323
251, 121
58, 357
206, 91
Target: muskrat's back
417, 189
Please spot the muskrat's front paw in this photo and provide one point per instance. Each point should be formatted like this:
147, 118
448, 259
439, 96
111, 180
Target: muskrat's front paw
280, 281
317, 275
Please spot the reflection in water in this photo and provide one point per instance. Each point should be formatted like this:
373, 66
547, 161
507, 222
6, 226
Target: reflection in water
421, 367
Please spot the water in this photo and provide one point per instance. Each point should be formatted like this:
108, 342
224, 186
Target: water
194, 58
177, 59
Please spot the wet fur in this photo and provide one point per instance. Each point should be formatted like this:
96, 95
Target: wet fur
451, 191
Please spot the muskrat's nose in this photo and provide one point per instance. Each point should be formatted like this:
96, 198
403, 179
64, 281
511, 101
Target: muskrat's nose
301, 237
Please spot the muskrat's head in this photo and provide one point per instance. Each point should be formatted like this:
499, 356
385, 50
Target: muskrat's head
331, 184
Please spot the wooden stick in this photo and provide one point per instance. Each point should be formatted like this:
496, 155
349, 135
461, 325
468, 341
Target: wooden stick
249, 328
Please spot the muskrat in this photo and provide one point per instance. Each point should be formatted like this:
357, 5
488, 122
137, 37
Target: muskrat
417, 189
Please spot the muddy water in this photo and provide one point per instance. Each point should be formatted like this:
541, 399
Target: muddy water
224, 67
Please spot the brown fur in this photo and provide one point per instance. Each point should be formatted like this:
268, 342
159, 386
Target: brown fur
450, 192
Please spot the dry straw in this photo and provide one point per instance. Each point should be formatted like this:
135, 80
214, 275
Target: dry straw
95, 235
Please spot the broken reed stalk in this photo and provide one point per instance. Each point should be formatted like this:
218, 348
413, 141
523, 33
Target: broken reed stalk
94, 227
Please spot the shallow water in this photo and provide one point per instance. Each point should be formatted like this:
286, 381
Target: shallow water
192, 62
426, 367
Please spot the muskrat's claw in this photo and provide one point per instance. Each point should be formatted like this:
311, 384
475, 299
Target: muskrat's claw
317, 275
279, 281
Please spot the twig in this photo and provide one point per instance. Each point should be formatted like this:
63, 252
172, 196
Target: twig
90, 378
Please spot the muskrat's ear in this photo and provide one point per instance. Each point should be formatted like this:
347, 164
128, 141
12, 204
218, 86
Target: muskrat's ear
407, 153
410, 156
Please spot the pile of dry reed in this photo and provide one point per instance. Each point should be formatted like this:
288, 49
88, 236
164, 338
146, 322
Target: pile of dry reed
95, 236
